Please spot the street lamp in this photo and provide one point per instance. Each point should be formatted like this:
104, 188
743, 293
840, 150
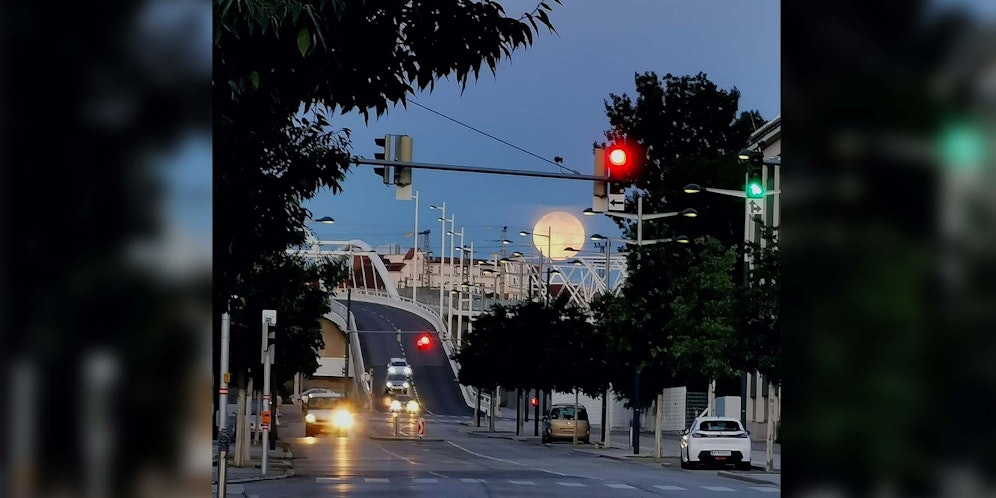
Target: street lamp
325, 219
549, 254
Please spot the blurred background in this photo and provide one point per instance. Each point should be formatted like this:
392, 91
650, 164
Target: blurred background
889, 239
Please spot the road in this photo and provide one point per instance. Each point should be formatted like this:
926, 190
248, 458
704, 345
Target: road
457, 463
436, 387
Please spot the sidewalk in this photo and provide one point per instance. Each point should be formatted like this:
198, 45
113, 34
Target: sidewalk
621, 450
280, 465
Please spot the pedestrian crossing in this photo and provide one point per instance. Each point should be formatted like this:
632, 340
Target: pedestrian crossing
588, 484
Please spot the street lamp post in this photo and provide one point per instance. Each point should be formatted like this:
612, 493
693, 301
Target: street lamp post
442, 252
415, 273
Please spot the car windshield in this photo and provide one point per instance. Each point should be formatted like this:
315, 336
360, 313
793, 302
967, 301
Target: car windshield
719, 426
326, 403
400, 363
567, 413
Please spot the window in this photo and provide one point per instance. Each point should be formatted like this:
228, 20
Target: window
719, 425
567, 413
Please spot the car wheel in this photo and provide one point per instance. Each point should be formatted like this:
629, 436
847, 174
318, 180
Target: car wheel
586, 440
743, 466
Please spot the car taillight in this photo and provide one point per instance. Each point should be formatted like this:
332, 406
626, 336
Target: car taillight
742, 435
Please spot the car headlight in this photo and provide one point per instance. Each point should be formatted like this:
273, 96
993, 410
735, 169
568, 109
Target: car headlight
412, 406
391, 370
405, 385
408, 371
309, 418
395, 405
342, 418
390, 384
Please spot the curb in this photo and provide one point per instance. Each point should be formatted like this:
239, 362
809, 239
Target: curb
402, 438
286, 474
741, 477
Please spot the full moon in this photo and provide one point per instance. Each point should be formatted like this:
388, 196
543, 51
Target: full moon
565, 231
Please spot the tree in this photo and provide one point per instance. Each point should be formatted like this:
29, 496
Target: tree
758, 339
291, 286
274, 59
691, 133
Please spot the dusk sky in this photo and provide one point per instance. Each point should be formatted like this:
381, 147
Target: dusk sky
548, 99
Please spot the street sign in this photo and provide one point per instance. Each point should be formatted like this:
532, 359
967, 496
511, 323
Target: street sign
265, 419
420, 427
754, 206
617, 202
227, 377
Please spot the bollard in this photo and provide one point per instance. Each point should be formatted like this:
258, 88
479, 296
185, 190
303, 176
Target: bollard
223, 442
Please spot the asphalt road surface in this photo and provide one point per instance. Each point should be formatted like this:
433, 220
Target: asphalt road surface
456, 463
435, 384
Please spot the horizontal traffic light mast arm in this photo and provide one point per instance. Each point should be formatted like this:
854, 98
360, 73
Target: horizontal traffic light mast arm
646, 217
474, 169
734, 193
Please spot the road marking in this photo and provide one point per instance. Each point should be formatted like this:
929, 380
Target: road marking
472, 479
529, 483
668, 487
385, 450
426, 480
717, 488
766, 489
555, 473
620, 486
319, 480
437, 474
572, 484
483, 456
376, 479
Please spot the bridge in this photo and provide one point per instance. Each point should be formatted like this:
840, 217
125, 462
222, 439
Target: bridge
377, 311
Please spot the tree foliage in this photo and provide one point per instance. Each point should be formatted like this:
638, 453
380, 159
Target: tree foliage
532, 345
758, 342
691, 133
291, 286
276, 58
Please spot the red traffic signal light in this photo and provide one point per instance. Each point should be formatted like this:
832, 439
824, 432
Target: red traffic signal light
622, 160
423, 341
618, 156
533, 401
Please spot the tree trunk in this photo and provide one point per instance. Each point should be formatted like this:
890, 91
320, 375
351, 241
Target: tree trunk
237, 422
769, 438
658, 423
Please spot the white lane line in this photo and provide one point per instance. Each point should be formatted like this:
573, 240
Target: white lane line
483, 456
471, 479
717, 488
668, 487
620, 486
766, 489
572, 484
554, 473
437, 474
385, 450
426, 480
525, 483
319, 480
382, 480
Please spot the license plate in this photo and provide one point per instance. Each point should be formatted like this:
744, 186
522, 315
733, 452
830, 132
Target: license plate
721, 453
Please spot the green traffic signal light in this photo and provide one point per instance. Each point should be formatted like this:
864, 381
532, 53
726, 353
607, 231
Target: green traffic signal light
755, 190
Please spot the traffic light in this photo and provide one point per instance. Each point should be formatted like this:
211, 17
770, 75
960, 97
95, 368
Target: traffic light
387, 143
534, 401
423, 342
754, 186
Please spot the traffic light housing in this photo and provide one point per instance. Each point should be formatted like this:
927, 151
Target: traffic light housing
754, 186
423, 342
600, 193
387, 144
402, 174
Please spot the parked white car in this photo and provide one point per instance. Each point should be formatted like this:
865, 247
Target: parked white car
717, 440
399, 366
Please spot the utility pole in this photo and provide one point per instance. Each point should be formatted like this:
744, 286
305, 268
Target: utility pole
415, 252
269, 318
223, 438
